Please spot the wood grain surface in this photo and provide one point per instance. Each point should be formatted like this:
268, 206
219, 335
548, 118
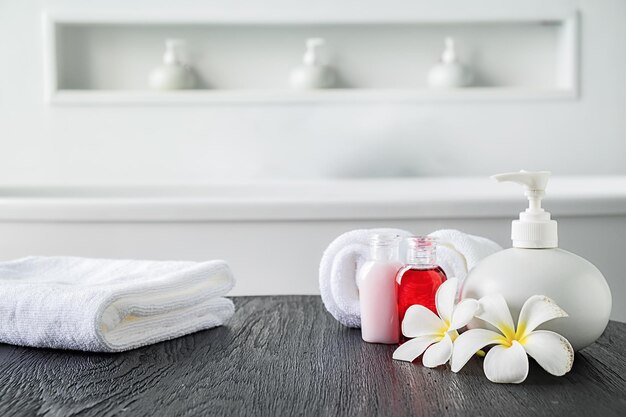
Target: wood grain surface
286, 356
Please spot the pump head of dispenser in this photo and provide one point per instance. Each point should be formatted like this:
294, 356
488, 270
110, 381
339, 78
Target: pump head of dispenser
312, 53
534, 229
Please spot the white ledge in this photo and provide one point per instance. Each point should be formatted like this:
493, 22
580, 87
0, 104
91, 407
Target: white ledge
420, 198
338, 95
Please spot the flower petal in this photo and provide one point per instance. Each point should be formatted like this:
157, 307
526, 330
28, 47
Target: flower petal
413, 348
506, 365
439, 353
495, 311
463, 313
537, 310
468, 343
445, 297
420, 321
551, 351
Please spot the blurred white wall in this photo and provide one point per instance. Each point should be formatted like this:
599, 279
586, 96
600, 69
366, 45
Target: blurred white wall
43, 144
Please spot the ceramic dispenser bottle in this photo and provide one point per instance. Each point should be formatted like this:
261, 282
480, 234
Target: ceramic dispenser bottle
536, 266
173, 73
313, 73
449, 72
377, 292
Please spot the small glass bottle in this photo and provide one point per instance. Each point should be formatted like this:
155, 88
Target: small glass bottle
377, 291
417, 282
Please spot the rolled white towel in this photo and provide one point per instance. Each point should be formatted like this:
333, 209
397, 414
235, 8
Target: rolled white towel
104, 305
338, 267
457, 253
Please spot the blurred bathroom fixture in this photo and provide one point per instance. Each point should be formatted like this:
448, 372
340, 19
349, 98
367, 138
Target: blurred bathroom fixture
449, 72
313, 73
174, 73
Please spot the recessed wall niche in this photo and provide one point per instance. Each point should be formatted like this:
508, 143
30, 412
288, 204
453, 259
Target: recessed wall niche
105, 59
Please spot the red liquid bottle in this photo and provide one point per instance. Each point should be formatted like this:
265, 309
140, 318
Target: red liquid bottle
418, 281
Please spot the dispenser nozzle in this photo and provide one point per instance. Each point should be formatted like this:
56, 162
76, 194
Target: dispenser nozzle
449, 53
531, 180
311, 56
534, 183
174, 51
534, 229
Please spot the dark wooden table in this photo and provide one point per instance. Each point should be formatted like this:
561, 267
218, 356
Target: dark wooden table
286, 356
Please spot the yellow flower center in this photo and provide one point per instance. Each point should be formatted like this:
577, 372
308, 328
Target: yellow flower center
446, 329
510, 334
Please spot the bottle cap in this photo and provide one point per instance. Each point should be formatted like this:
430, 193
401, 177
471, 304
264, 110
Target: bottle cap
383, 239
421, 250
534, 229
384, 246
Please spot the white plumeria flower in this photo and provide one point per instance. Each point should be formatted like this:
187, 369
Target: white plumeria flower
507, 361
433, 335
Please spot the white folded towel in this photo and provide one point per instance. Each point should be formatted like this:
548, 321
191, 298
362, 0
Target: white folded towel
457, 254
104, 305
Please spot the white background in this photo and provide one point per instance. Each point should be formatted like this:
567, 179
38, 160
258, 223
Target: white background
43, 144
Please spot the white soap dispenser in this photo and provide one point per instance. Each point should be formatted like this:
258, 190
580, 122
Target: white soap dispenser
312, 74
536, 266
449, 72
174, 73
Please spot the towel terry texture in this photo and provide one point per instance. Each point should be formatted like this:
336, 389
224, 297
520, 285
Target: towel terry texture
104, 305
457, 254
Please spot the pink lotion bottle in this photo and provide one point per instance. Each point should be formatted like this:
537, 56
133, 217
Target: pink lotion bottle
377, 291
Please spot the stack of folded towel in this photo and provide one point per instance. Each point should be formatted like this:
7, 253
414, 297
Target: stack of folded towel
457, 254
105, 305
